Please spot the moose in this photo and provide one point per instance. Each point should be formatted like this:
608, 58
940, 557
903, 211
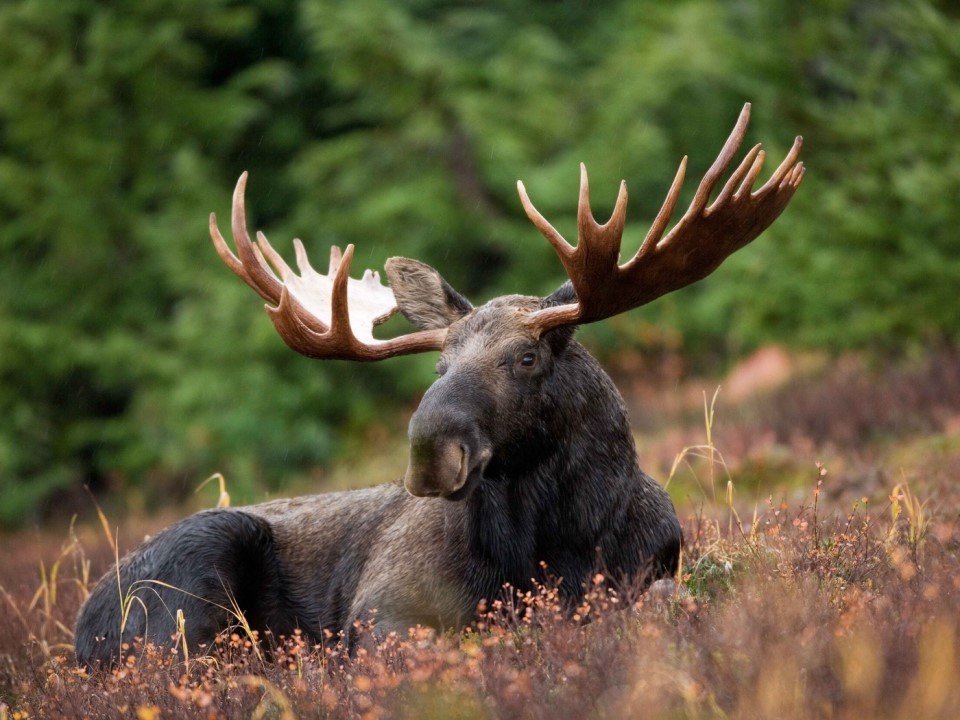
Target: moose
521, 457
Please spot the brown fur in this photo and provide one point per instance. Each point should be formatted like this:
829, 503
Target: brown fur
520, 454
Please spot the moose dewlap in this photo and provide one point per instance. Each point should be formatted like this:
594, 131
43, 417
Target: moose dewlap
521, 457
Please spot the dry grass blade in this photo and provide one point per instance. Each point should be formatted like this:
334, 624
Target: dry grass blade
223, 500
104, 524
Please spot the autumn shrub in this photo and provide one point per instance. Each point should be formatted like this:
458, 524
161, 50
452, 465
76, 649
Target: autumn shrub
808, 612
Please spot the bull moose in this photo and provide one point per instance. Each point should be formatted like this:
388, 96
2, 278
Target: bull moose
521, 456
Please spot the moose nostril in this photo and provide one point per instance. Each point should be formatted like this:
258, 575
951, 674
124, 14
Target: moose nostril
438, 465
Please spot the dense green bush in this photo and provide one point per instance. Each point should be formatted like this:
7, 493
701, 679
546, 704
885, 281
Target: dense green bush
130, 358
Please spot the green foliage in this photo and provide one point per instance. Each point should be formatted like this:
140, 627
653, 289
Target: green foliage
129, 357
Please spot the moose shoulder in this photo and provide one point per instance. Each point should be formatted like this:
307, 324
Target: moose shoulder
521, 455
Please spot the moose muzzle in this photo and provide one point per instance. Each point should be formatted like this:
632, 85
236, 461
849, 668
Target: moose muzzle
437, 468
448, 453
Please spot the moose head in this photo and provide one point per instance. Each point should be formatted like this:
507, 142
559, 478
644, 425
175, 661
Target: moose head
495, 359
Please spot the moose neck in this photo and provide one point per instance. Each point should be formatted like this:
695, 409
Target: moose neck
549, 496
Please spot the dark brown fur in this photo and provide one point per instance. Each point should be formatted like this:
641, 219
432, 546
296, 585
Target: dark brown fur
520, 454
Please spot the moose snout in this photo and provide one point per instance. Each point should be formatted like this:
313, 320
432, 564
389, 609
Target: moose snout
448, 449
437, 467
445, 465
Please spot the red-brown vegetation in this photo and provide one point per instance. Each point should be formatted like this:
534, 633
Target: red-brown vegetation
820, 602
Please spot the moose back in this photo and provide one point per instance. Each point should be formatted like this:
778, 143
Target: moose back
521, 456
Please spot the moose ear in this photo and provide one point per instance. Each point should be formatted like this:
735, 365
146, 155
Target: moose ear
559, 338
425, 299
563, 295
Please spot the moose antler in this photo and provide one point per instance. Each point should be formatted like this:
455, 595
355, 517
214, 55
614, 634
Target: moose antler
702, 239
311, 311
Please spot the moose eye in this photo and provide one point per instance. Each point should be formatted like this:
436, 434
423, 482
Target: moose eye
528, 359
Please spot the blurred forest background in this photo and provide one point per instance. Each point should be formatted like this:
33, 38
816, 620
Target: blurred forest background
133, 361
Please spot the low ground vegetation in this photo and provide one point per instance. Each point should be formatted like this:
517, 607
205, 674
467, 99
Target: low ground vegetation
806, 591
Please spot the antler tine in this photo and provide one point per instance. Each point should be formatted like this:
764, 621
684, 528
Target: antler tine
258, 272
265, 252
663, 216
270, 257
311, 311
788, 164
563, 248
727, 153
702, 239
747, 185
796, 175
598, 246
745, 167
305, 333
229, 259
335, 257
605, 238
340, 310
